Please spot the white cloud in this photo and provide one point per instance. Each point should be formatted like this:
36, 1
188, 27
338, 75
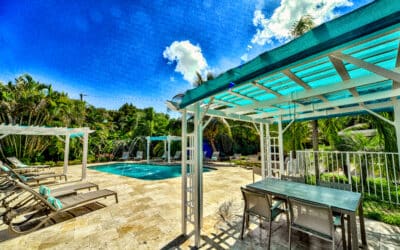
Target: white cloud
278, 26
188, 57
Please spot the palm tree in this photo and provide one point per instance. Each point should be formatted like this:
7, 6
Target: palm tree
217, 125
303, 25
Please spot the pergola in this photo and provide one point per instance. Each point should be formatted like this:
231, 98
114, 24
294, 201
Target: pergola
167, 141
68, 133
347, 66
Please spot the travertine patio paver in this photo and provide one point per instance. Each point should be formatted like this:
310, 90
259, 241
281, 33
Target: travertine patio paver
148, 216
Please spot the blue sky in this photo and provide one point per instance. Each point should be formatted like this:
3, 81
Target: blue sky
142, 52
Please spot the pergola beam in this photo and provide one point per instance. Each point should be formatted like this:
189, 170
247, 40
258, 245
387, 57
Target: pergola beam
377, 115
266, 89
224, 102
396, 84
334, 112
343, 85
219, 113
248, 98
389, 74
337, 103
343, 73
6, 130
269, 90
300, 82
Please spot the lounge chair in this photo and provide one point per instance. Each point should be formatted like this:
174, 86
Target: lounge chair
164, 156
44, 209
27, 172
178, 155
15, 196
27, 179
125, 156
215, 156
139, 156
18, 164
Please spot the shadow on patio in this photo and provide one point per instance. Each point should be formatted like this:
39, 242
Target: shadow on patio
225, 234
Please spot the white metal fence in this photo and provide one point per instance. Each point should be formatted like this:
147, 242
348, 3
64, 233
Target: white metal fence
370, 173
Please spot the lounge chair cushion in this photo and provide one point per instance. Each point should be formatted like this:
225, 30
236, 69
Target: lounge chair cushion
5, 169
56, 203
24, 178
43, 190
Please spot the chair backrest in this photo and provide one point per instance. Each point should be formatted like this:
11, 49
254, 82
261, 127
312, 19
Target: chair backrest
12, 174
311, 217
125, 155
139, 154
177, 154
16, 162
215, 156
336, 185
256, 170
37, 196
300, 179
257, 203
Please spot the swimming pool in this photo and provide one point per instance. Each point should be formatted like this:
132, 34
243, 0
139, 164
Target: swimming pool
143, 171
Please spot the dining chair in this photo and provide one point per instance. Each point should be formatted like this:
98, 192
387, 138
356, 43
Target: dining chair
256, 171
311, 218
336, 185
300, 179
259, 204
339, 216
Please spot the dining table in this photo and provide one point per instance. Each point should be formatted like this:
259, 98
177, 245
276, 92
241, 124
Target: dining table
341, 201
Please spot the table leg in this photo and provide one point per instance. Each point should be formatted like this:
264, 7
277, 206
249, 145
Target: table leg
362, 226
353, 230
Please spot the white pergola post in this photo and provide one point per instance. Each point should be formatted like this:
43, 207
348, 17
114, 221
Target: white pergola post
165, 149
262, 149
183, 169
396, 109
66, 153
169, 149
198, 174
85, 153
148, 149
280, 141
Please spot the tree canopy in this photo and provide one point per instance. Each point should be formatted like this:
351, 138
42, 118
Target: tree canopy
29, 102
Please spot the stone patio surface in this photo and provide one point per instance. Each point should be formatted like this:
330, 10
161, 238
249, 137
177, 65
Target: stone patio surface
148, 216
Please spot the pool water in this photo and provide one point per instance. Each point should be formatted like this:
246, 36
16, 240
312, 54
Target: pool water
143, 171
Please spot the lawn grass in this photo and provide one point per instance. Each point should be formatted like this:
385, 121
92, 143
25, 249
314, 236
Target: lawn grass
381, 211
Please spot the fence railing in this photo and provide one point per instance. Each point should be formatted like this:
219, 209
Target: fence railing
372, 173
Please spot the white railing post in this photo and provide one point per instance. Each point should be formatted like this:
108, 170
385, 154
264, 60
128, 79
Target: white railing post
348, 167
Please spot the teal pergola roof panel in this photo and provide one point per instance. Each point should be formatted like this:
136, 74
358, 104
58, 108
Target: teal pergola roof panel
338, 67
338, 32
